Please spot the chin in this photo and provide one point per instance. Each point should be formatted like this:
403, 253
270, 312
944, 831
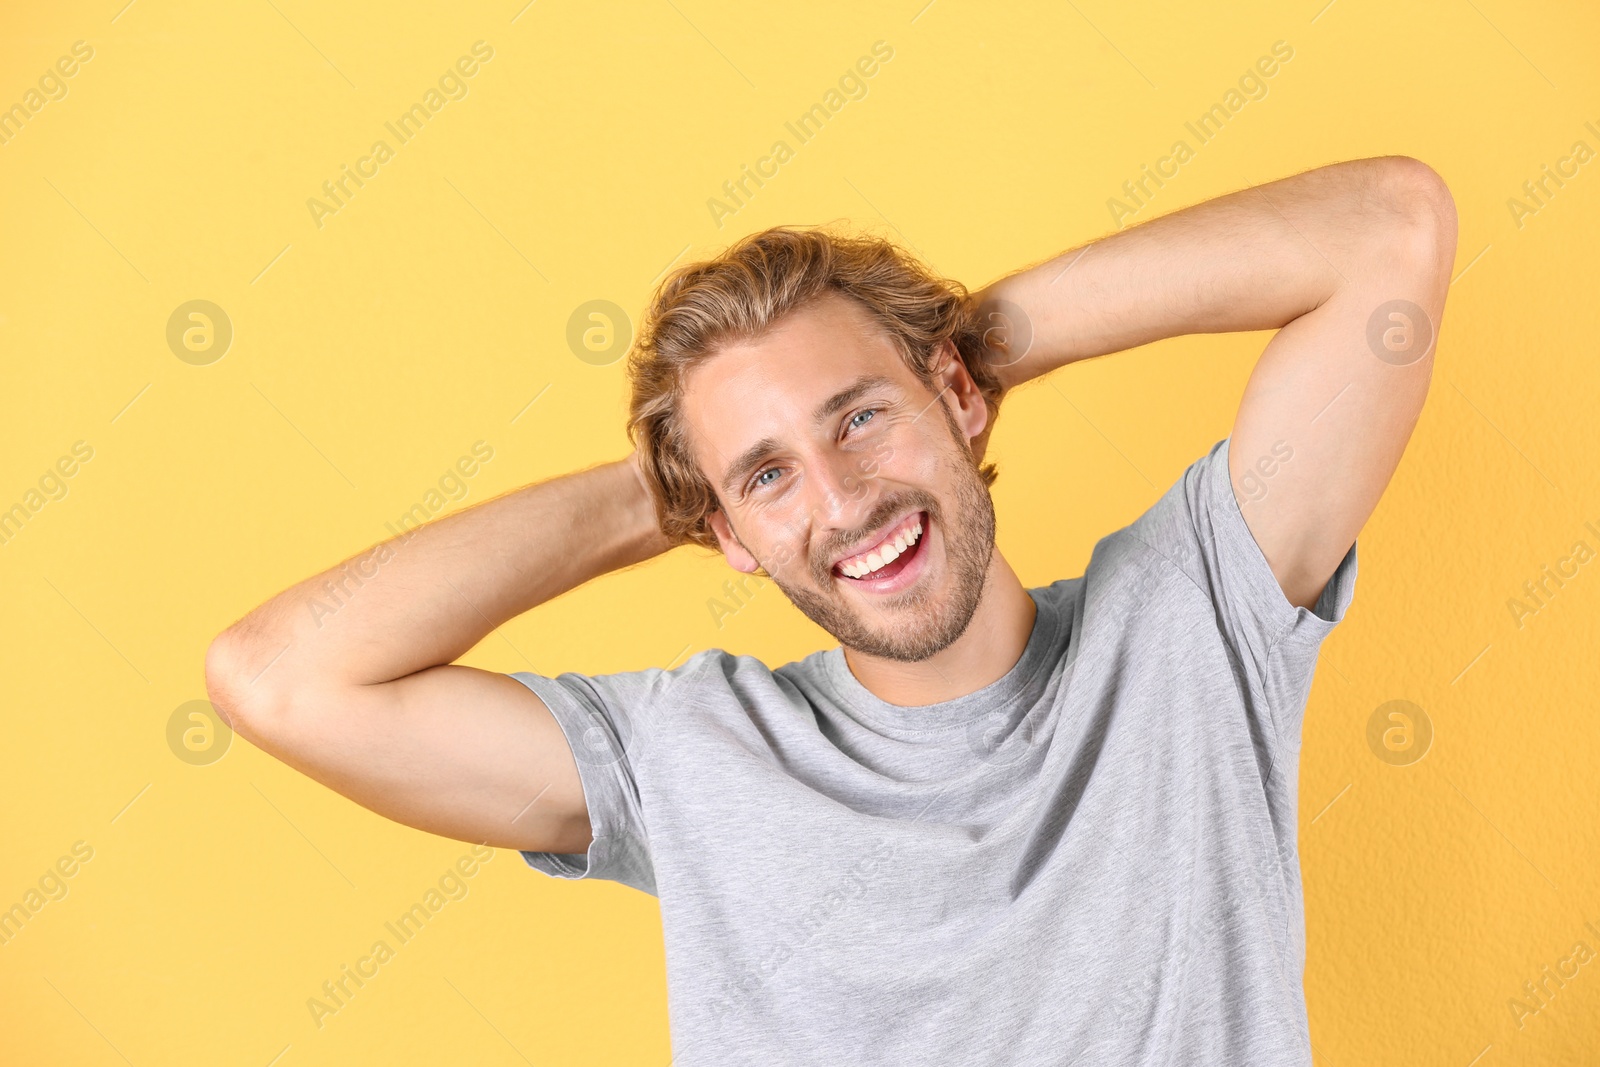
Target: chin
910, 631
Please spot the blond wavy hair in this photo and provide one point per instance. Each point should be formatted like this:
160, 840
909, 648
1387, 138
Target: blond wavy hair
737, 296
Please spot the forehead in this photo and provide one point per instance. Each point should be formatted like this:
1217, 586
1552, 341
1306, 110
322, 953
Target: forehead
772, 386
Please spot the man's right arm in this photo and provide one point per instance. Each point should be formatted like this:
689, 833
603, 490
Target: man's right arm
360, 691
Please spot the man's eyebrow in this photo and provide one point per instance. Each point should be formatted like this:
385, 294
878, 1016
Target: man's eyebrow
746, 461
753, 455
850, 394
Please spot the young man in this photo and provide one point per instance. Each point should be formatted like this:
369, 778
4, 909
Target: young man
996, 825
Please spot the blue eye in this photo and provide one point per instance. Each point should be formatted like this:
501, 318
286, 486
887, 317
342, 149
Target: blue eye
757, 482
869, 411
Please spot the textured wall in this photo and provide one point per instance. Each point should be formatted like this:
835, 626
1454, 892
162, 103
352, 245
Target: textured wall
356, 344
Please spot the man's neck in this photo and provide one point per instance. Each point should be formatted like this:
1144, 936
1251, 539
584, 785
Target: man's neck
991, 645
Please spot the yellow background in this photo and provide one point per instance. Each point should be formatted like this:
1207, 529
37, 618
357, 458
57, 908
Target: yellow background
370, 353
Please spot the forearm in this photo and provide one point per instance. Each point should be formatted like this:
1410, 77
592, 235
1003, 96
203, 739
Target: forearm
428, 596
1255, 259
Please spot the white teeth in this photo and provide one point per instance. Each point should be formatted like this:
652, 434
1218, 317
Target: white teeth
888, 553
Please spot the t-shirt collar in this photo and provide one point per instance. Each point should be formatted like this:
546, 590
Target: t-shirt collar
1025, 679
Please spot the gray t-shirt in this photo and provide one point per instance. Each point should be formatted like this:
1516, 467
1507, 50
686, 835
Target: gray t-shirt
1091, 860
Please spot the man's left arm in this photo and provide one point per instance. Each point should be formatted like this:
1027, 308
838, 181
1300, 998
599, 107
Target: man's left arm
1349, 262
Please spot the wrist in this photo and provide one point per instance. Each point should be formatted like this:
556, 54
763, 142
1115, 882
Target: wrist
652, 541
1006, 327
1036, 318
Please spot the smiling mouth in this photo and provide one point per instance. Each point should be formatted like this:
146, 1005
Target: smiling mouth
890, 557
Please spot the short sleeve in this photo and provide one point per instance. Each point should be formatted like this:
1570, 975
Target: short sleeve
606, 719
1198, 525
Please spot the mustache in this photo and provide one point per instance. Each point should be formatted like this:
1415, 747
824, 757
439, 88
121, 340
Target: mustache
880, 519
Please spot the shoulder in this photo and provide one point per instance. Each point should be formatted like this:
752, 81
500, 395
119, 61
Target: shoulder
719, 683
1181, 536
1182, 521
1158, 569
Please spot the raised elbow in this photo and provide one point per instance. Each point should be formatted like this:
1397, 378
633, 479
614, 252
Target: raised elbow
232, 682
1419, 196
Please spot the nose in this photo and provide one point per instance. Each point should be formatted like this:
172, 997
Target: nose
844, 490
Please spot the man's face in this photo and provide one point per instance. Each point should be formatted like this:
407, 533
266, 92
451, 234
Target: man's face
821, 443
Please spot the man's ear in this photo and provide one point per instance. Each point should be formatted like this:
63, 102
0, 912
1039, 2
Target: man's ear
963, 399
738, 558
